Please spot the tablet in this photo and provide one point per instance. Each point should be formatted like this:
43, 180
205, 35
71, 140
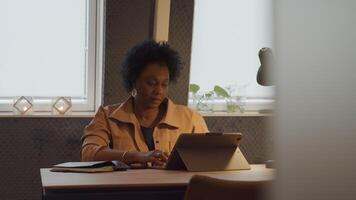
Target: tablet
207, 152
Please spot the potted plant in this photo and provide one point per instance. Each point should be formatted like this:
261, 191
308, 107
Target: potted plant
201, 101
231, 104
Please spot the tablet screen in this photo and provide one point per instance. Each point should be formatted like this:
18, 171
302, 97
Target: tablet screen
200, 141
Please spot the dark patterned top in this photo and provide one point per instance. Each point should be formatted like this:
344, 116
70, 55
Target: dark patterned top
148, 136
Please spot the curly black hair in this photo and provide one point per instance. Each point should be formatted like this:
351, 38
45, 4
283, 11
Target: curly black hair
149, 52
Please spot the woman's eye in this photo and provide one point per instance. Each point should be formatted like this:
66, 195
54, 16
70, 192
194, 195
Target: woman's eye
151, 83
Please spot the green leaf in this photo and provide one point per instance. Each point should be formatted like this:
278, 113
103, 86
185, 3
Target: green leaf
209, 94
221, 91
194, 88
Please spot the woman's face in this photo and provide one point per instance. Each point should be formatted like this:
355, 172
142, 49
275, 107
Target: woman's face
152, 85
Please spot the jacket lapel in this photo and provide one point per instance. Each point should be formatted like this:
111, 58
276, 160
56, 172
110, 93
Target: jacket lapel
124, 113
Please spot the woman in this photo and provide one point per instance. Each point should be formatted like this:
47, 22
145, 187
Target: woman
145, 127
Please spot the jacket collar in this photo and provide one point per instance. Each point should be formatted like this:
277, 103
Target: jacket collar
171, 117
125, 113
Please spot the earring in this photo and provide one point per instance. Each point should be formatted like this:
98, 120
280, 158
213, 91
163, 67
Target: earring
133, 92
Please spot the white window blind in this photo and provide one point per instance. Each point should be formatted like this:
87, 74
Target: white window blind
227, 36
48, 50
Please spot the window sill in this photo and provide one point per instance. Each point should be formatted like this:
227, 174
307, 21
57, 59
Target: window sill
48, 115
237, 114
91, 114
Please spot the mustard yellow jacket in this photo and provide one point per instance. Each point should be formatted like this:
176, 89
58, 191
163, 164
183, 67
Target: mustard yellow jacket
117, 127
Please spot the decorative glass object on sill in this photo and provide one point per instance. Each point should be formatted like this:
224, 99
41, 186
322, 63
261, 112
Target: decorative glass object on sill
193, 95
231, 106
219, 104
228, 99
61, 105
202, 101
241, 101
205, 101
23, 105
231, 103
240, 98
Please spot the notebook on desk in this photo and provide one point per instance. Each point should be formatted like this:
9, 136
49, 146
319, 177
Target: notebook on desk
207, 152
90, 167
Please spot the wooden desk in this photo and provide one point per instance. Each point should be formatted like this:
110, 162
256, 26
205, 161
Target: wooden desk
135, 184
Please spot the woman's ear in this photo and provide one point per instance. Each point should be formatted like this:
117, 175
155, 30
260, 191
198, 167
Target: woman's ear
133, 90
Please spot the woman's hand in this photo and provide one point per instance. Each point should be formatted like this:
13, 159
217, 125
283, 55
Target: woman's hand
155, 157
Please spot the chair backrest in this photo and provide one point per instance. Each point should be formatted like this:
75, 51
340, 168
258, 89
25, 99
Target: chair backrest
207, 188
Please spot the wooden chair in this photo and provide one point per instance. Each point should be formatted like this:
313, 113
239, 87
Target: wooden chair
207, 188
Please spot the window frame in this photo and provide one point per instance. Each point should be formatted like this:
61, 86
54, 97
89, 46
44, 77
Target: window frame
93, 73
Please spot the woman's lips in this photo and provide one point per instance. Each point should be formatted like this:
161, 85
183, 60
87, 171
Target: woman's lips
156, 99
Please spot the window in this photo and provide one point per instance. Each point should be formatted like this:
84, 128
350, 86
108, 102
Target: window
227, 36
50, 49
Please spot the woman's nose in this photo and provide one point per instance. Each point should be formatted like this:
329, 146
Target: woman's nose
159, 89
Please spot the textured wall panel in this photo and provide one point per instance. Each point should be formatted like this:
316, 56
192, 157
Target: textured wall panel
30, 144
180, 37
128, 22
256, 141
